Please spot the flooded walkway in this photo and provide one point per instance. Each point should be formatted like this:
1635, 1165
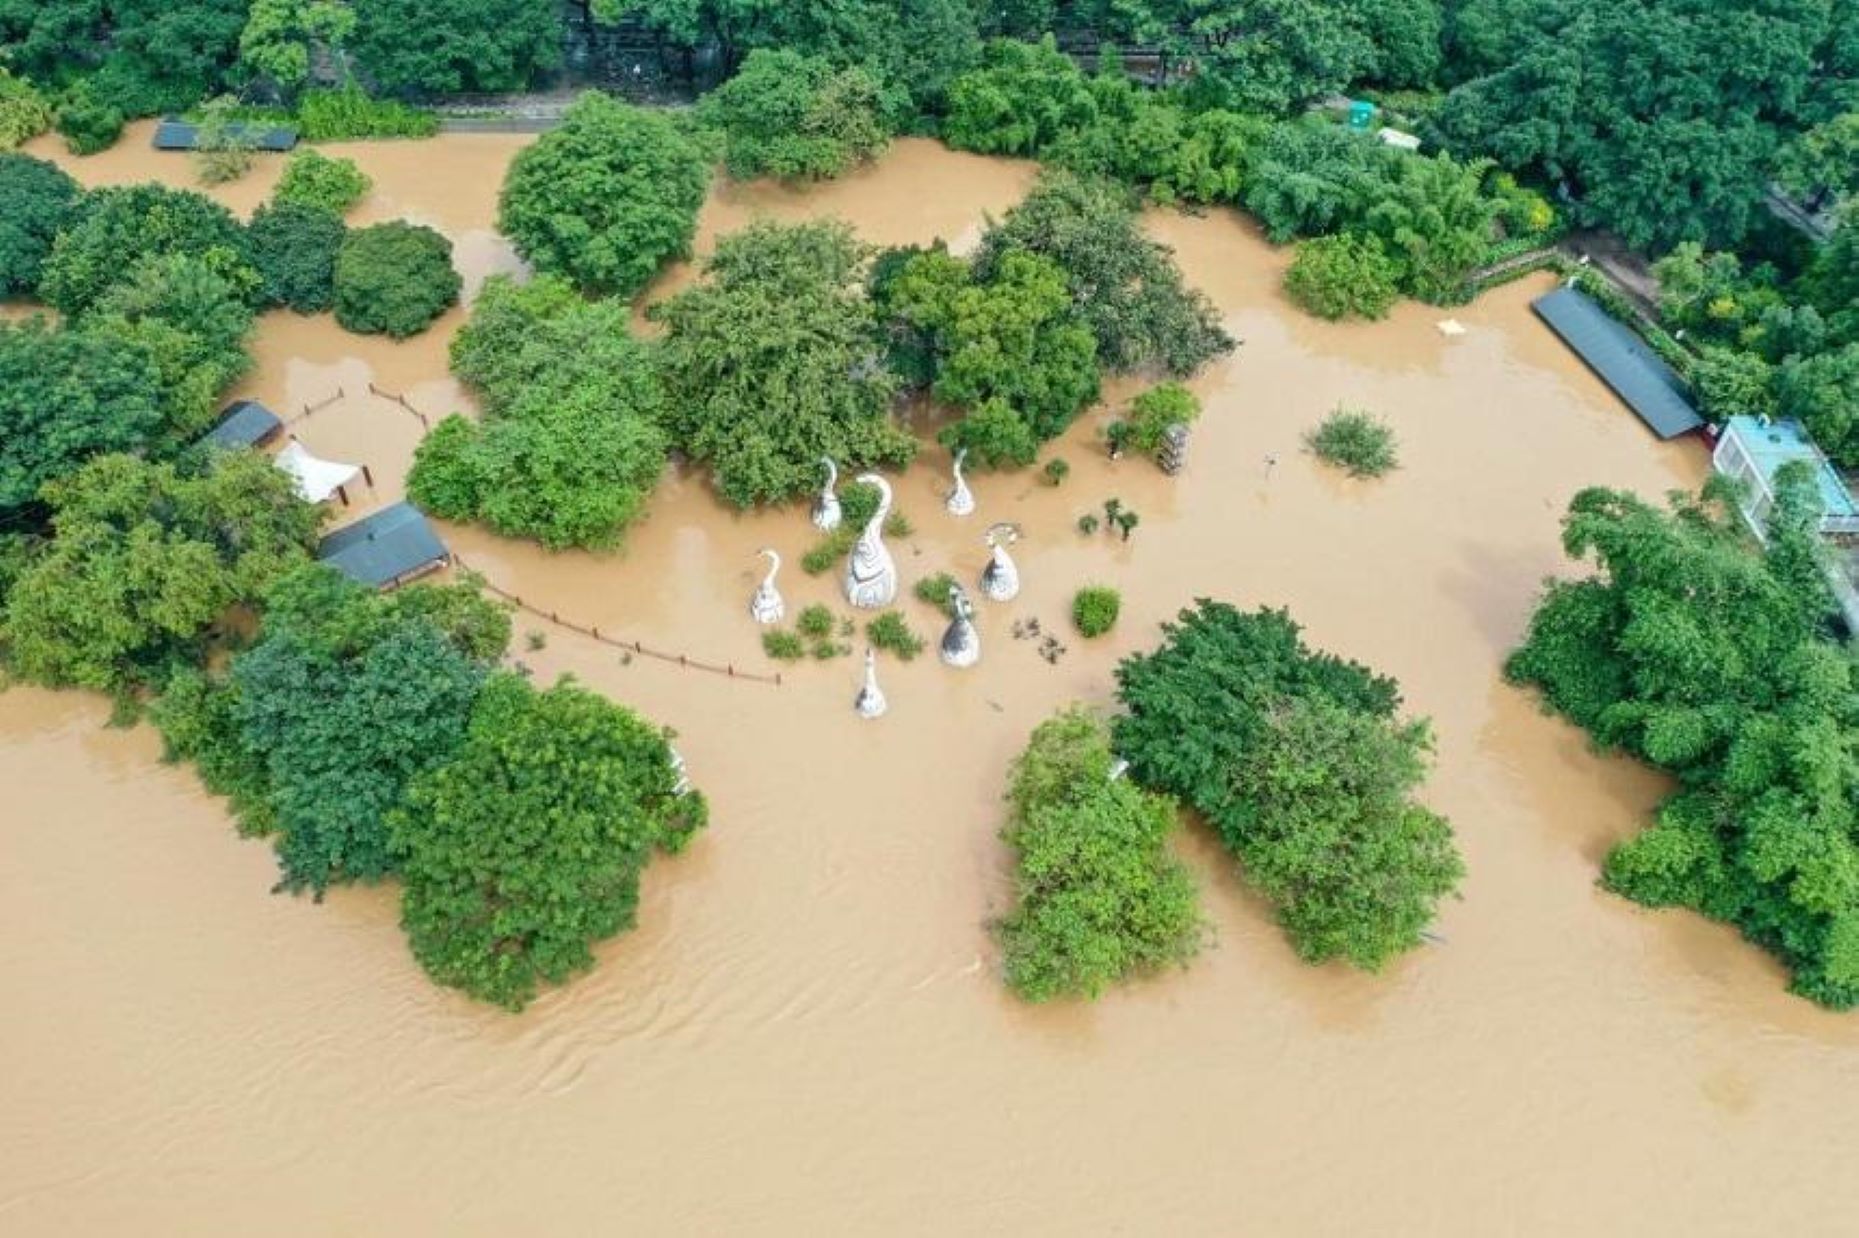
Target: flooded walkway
806, 1033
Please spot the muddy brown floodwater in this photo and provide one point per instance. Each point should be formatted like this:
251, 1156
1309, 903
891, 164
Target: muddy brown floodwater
806, 1033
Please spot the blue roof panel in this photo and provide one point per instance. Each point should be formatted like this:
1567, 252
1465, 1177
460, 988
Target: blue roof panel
381, 549
1621, 360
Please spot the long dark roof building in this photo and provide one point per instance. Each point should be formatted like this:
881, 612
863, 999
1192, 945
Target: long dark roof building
176, 134
1622, 360
393, 545
244, 423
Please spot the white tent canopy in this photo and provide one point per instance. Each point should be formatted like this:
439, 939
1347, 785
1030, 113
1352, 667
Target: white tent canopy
316, 479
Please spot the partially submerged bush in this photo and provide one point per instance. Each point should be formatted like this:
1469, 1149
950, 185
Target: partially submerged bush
1152, 413
314, 179
1095, 609
1356, 441
1098, 896
350, 113
1343, 276
815, 622
783, 646
795, 117
24, 113
935, 590
892, 633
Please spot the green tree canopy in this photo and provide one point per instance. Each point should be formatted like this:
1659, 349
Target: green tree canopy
775, 360
1823, 392
66, 396
280, 36
1098, 897
345, 698
526, 848
1125, 286
1343, 276
145, 559
194, 324
294, 248
571, 444
394, 278
795, 117
1700, 653
447, 46
1014, 339
606, 197
112, 229
36, 198
1297, 760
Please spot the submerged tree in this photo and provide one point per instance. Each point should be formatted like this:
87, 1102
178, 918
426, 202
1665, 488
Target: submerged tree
774, 361
607, 197
1297, 760
144, 560
1098, 896
1126, 287
1709, 657
526, 848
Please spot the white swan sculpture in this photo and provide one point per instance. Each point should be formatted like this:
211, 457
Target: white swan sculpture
766, 606
871, 573
1000, 579
870, 702
826, 513
961, 500
961, 643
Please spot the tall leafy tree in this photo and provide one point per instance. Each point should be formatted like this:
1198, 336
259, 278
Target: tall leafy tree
112, 229
446, 46
36, 198
1125, 286
192, 321
393, 278
1704, 655
145, 558
775, 360
525, 849
65, 397
796, 117
606, 197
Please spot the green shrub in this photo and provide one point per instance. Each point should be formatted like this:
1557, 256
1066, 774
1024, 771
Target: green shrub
394, 279
1057, 470
88, 123
1343, 276
829, 550
1088, 524
1097, 895
783, 646
1356, 441
892, 633
935, 590
224, 148
815, 621
314, 179
1152, 412
349, 113
1095, 609
24, 113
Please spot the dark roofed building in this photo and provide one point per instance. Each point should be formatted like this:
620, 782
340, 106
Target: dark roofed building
388, 548
176, 134
245, 423
1622, 360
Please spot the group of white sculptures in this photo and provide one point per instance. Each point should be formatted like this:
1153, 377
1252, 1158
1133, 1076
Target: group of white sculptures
871, 576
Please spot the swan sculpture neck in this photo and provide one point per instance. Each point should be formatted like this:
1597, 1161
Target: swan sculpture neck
767, 605
826, 511
871, 573
961, 500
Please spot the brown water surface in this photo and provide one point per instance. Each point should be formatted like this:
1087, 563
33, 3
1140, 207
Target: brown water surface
806, 1033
